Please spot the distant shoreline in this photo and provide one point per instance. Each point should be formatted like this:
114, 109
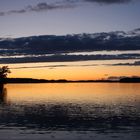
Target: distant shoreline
30, 80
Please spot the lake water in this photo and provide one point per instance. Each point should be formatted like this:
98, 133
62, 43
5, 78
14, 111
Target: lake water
70, 111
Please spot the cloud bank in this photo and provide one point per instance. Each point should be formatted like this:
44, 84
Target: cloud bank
53, 48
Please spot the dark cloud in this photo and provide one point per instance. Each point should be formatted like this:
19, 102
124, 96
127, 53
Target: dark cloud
41, 7
44, 6
52, 66
2, 13
62, 48
36, 67
16, 11
109, 1
136, 63
52, 44
38, 8
101, 1
69, 58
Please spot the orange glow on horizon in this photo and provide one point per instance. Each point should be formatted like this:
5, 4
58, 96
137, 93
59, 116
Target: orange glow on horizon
87, 70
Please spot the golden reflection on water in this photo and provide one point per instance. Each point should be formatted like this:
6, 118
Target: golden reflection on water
97, 93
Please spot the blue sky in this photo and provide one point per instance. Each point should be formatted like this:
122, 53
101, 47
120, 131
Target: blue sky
62, 17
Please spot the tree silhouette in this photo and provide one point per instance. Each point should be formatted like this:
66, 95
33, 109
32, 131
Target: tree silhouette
4, 72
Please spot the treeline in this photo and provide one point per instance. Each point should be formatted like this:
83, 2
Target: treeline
30, 80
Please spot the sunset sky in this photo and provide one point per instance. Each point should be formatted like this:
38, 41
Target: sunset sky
24, 18
20, 18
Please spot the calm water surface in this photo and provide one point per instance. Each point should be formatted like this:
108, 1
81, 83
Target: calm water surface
77, 111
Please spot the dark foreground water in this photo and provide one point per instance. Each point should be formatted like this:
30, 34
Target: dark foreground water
87, 111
